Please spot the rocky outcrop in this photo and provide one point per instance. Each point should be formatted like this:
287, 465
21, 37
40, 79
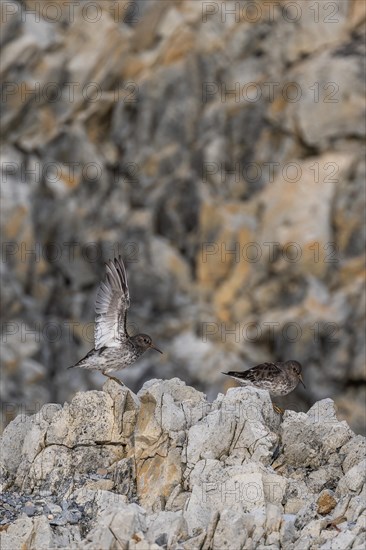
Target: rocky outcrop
168, 469
218, 147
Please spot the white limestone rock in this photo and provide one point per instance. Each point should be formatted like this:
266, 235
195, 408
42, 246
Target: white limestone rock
168, 469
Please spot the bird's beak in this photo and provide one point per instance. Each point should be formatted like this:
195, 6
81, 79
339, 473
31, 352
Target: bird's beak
301, 380
155, 348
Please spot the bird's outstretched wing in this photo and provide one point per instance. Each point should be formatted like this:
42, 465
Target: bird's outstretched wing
111, 306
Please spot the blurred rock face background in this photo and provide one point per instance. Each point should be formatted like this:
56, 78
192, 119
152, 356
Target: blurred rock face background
218, 147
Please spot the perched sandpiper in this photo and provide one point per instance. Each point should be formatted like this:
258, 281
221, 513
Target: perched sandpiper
114, 349
278, 378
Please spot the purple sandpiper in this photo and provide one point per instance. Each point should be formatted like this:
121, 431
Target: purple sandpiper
278, 378
114, 349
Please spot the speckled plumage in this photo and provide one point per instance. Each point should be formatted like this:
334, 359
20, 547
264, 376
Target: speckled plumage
278, 378
109, 359
114, 349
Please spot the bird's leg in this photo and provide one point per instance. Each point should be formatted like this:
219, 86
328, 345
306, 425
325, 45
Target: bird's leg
277, 409
114, 378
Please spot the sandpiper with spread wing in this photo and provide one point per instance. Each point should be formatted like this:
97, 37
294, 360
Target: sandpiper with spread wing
114, 349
